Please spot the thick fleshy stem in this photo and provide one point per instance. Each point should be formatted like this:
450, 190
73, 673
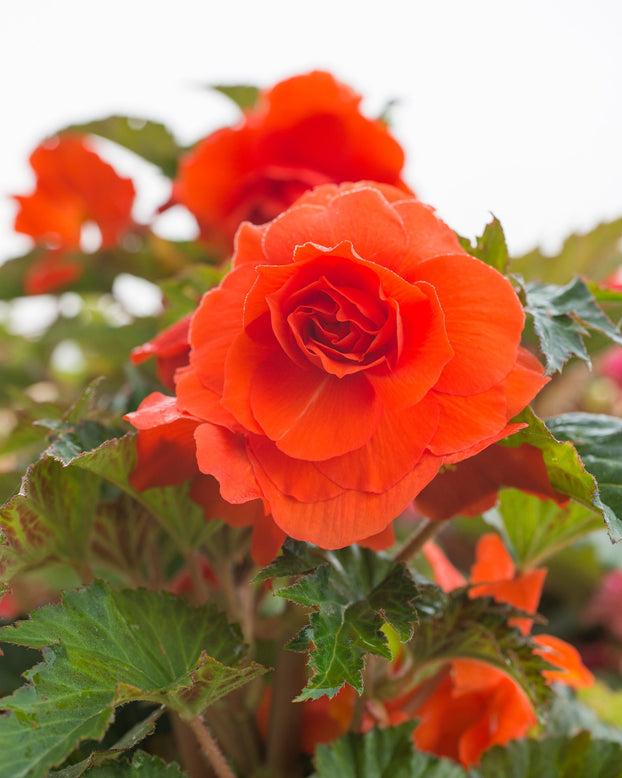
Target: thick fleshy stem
210, 748
425, 531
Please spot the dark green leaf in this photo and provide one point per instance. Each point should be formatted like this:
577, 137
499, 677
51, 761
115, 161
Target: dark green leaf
490, 247
563, 317
139, 732
50, 521
355, 592
453, 625
150, 140
598, 440
593, 255
381, 753
537, 529
577, 757
244, 96
103, 648
142, 766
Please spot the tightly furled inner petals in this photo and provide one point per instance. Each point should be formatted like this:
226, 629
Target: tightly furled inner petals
338, 317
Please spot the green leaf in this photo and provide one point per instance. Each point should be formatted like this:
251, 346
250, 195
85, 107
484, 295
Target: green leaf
355, 592
598, 440
537, 529
150, 140
50, 521
142, 766
562, 317
244, 96
563, 464
381, 753
137, 733
103, 648
490, 247
577, 757
453, 625
171, 506
568, 715
593, 255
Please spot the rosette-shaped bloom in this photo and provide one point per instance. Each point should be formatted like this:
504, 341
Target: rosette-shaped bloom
305, 131
74, 187
353, 349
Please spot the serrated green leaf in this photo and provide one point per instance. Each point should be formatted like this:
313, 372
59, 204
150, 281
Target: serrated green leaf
137, 733
490, 247
577, 757
565, 469
598, 440
142, 766
150, 140
50, 521
103, 648
171, 506
243, 95
537, 529
562, 318
453, 625
594, 255
569, 714
355, 592
381, 753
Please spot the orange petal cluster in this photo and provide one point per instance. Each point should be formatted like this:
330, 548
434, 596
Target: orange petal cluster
353, 350
74, 186
476, 706
472, 486
305, 131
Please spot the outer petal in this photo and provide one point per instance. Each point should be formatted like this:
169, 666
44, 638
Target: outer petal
471, 486
572, 672
349, 517
483, 318
267, 539
215, 323
466, 421
445, 574
203, 403
165, 447
222, 454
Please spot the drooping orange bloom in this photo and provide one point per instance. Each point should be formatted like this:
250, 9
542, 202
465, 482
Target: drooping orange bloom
353, 349
472, 486
74, 187
475, 705
305, 131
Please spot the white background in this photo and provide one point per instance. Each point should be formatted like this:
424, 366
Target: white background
509, 106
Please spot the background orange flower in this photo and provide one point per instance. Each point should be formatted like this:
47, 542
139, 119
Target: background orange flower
305, 131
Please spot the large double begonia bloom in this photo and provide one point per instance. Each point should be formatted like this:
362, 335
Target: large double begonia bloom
74, 187
304, 131
353, 349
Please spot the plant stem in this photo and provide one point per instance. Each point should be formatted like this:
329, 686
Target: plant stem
189, 753
425, 531
285, 725
210, 748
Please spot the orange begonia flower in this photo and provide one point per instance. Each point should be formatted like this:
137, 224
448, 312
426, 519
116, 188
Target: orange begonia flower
74, 187
305, 131
353, 349
475, 705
